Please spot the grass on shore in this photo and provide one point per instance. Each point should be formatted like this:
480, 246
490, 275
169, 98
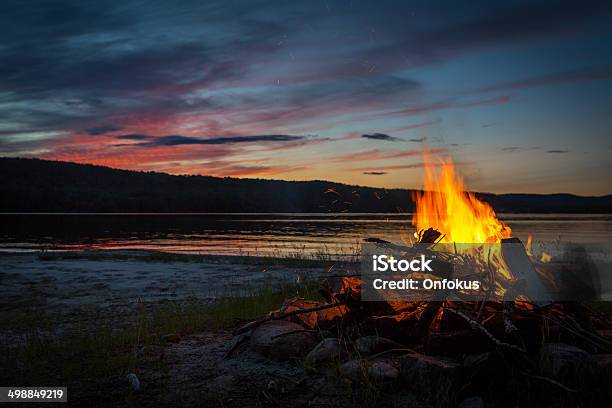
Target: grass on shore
97, 354
321, 259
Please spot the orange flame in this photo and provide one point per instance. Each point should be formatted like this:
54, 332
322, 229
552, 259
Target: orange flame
445, 206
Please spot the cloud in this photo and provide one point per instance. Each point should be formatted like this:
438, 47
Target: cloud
101, 130
443, 105
380, 136
557, 151
223, 168
458, 30
105, 62
270, 69
513, 149
247, 171
134, 136
417, 125
418, 139
376, 154
407, 166
391, 167
552, 79
178, 140
375, 173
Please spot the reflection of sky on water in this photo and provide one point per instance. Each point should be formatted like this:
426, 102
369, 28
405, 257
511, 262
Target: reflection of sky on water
260, 234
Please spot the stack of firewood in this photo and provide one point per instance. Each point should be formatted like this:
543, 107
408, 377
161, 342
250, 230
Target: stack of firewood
560, 344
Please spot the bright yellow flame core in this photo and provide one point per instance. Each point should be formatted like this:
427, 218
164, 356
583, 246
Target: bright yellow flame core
458, 215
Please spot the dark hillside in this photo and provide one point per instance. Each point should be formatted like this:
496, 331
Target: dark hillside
31, 185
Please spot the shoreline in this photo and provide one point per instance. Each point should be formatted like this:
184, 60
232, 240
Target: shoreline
112, 278
149, 255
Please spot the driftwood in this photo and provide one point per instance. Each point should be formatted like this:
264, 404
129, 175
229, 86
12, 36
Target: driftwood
251, 325
237, 342
569, 324
427, 317
550, 381
480, 327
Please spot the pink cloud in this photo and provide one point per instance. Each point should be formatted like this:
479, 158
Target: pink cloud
376, 154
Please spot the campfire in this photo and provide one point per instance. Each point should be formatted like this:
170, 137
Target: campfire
515, 331
458, 215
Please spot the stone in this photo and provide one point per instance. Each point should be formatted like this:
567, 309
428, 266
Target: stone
603, 372
421, 371
374, 344
134, 381
456, 343
326, 386
382, 372
407, 399
472, 402
604, 364
327, 351
559, 360
171, 338
353, 370
607, 334
282, 340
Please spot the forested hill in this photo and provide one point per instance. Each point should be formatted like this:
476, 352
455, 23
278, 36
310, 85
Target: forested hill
32, 185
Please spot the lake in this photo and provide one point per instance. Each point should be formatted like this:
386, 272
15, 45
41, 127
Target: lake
316, 235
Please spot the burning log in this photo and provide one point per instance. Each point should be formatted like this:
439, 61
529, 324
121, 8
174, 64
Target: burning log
429, 236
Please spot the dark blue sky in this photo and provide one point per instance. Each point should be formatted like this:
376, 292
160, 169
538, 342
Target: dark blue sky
519, 93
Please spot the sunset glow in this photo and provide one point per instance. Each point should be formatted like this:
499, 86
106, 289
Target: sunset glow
343, 92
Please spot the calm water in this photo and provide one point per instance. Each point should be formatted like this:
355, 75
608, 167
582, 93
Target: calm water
258, 234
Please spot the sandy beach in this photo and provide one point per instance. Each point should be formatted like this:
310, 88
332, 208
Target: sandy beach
115, 278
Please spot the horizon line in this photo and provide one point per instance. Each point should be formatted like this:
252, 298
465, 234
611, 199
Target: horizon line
293, 181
